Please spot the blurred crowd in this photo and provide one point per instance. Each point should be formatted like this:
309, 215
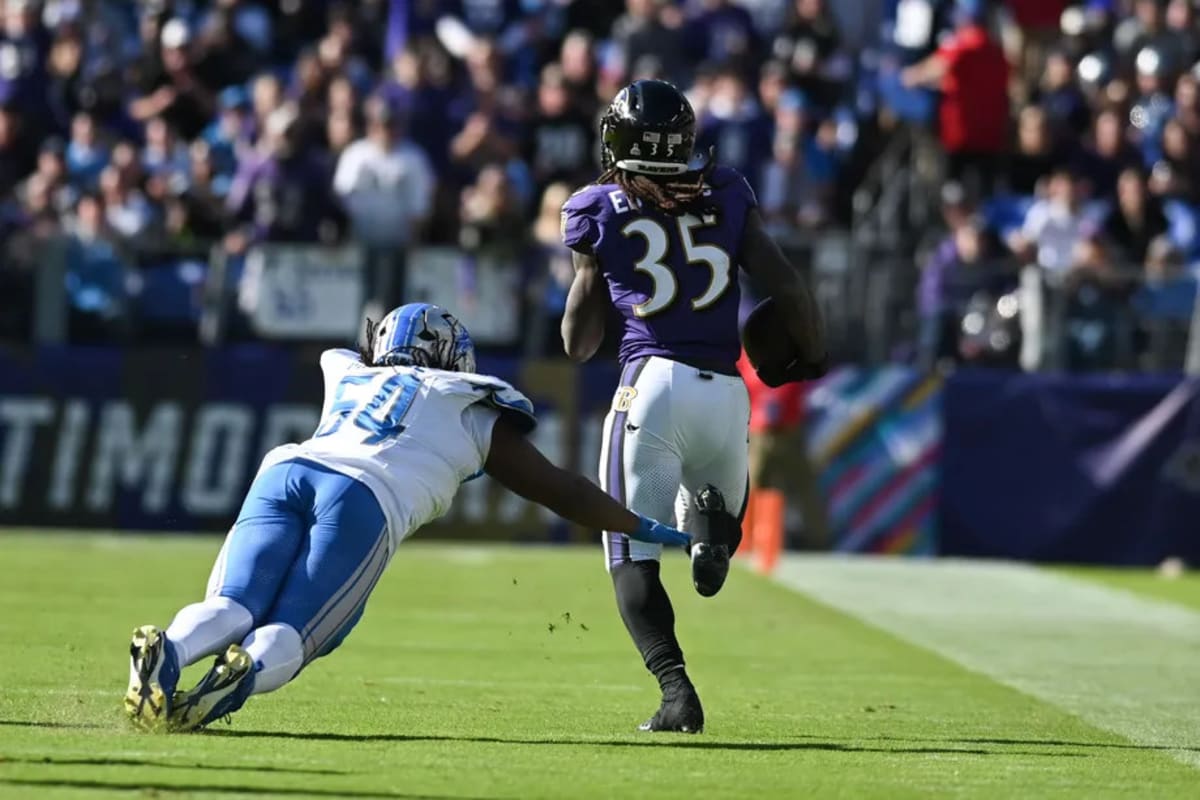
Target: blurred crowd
140, 138
1071, 134
145, 133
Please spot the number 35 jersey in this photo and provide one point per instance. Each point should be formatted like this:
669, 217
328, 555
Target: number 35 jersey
411, 435
673, 279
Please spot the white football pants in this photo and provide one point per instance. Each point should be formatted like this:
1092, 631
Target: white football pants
672, 429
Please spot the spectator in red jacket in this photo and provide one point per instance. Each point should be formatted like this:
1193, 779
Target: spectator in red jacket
972, 73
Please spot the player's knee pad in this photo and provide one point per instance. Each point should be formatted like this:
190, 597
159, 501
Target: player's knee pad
714, 524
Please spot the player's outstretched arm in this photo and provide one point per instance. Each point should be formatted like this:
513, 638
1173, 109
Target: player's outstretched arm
760, 256
587, 305
516, 463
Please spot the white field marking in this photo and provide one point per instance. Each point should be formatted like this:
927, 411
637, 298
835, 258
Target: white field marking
1119, 661
516, 685
471, 555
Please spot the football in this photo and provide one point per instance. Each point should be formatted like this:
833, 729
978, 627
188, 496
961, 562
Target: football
767, 344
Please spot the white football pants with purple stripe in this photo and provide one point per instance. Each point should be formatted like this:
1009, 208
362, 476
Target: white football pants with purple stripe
672, 429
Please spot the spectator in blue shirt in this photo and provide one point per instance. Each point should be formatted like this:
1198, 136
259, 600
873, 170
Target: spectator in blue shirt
723, 33
641, 31
1063, 102
95, 274
231, 133
797, 183
86, 154
1152, 106
163, 154
736, 125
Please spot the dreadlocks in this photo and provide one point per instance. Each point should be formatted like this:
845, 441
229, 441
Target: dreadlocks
366, 348
675, 197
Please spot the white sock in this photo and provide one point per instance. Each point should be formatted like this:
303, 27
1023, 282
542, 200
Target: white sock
278, 654
205, 629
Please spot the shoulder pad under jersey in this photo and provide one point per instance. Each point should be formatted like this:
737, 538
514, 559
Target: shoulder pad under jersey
496, 394
339, 359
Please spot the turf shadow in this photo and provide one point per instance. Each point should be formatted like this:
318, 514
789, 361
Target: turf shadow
27, 723
1007, 742
1062, 743
142, 762
265, 791
678, 742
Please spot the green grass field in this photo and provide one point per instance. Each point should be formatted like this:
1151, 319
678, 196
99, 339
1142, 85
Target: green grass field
505, 673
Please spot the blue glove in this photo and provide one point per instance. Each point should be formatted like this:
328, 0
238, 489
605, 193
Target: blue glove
650, 530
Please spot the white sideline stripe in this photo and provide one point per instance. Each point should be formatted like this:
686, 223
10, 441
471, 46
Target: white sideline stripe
1121, 662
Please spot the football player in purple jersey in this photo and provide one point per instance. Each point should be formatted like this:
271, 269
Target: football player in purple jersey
658, 236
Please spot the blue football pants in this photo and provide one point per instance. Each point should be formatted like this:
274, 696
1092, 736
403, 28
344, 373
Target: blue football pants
307, 549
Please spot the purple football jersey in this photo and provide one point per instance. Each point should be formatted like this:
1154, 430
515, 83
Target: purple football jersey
674, 279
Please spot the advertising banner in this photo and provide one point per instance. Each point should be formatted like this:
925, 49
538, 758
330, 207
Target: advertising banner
1089, 469
991, 464
485, 290
170, 439
303, 292
875, 438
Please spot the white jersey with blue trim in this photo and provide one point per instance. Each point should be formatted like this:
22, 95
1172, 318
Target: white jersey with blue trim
411, 435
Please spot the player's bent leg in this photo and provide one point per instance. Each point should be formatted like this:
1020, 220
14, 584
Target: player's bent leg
278, 655
269, 657
219, 693
715, 538
261, 548
153, 674
325, 593
245, 579
717, 478
207, 628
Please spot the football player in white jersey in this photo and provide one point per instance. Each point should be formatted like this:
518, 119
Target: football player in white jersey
405, 423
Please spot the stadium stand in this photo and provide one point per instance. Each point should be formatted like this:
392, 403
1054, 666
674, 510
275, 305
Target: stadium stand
150, 147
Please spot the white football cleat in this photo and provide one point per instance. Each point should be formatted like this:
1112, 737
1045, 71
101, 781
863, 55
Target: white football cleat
153, 674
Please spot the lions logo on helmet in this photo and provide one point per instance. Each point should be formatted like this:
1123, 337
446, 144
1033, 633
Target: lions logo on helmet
422, 335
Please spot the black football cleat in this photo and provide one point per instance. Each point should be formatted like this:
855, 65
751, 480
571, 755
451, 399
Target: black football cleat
680, 712
717, 536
